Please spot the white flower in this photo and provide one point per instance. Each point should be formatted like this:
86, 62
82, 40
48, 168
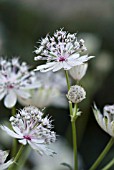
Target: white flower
15, 80
61, 51
77, 72
52, 90
76, 94
105, 120
3, 156
64, 155
30, 126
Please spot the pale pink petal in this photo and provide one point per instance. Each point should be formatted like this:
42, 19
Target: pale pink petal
10, 132
74, 56
57, 67
17, 130
23, 141
6, 165
10, 99
22, 93
45, 66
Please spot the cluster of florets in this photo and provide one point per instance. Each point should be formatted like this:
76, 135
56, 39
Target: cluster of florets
61, 42
3, 157
30, 126
15, 78
76, 94
52, 80
62, 50
105, 120
52, 89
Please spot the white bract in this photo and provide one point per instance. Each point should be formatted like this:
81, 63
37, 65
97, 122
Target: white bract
62, 50
3, 156
52, 89
76, 94
105, 120
15, 80
30, 126
77, 72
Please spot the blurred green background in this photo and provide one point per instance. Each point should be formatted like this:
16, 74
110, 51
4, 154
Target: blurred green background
23, 22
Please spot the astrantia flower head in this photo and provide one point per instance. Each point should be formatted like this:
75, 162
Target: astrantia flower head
51, 91
62, 50
76, 94
77, 72
3, 156
105, 120
30, 126
15, 80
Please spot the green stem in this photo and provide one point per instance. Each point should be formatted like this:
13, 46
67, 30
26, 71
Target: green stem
17, 156
67, 79
24, 157
102, 155
109, 165
14, 147
13, 111
72, 113
74, 145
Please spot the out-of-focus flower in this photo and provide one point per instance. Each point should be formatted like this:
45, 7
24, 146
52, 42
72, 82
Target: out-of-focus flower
105, 120
51, 92
104, 62
76, 94
30, 126
92, 42
78, 72
64, 155
3, 156
15, 80
61, 51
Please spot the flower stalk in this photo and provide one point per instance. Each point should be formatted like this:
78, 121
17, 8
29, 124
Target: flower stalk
14, 147
109, 165
17, 156
102, 155
73, 118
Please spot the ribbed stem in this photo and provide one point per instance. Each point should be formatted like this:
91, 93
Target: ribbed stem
24, 157
17, 157
67, 79
72, 112
14, 147
102, 155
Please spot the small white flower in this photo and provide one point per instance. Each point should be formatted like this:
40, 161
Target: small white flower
77, 72
105, 120
76, 94
53, 87
61, 51
3, 156
30, 126
15, 80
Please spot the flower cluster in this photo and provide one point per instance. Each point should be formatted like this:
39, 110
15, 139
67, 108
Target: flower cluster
30, 126
62, 50
106, 121
15, 80
52, 89
76, 94
3, 156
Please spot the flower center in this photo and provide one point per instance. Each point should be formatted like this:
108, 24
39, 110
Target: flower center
61, 58
10, 86
27, 137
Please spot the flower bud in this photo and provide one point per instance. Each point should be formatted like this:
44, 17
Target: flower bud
76, 94
78, 72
